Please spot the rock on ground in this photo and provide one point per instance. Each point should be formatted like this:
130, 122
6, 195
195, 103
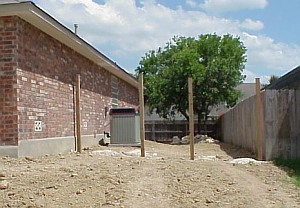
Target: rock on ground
198, 138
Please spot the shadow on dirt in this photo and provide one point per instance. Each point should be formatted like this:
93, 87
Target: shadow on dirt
230, 149
235, 151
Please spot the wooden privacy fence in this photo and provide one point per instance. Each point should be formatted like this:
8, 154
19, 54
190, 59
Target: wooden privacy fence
281, 124
164, 130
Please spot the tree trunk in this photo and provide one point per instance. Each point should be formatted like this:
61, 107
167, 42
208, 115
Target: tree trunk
205, 126
199, 123
205, 120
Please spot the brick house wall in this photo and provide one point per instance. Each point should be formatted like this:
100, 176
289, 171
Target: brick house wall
8, 79
37, 78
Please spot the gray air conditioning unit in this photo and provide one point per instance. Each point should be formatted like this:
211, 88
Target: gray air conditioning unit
124, 127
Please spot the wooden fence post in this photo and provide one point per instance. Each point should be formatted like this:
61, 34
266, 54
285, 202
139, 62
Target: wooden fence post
191, 117
142, 123
259, 122
78, 117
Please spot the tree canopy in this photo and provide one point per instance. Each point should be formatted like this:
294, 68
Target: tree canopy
214, 62
273, 78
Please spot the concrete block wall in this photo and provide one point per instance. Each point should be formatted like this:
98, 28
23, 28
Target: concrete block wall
41, 89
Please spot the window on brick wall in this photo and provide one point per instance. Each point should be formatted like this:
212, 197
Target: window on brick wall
114, 91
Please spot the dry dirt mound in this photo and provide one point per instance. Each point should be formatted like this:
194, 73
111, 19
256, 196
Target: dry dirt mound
165, 178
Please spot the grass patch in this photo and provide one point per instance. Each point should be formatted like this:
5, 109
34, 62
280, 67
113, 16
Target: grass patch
292, 167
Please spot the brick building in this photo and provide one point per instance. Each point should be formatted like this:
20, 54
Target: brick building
39, 61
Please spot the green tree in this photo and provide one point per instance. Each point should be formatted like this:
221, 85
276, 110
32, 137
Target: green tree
273, 78
214, 62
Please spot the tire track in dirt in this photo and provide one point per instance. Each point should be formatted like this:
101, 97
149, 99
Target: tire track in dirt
255, 191
148, 188
251, 186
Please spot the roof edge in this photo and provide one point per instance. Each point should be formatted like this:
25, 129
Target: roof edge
33, 14
282, 82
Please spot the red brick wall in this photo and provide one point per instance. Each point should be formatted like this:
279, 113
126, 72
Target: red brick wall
8, 98
127, 94
45, 87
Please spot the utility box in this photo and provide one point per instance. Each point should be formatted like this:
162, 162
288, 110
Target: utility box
124, 127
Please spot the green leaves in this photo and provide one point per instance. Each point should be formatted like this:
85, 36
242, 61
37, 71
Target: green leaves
214, 62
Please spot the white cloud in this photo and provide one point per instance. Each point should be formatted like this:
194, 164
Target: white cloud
264, 51
249, 24
132, 28
191, 3
219, 6
251, 76
124, 30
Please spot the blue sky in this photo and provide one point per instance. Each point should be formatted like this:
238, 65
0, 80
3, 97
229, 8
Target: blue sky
125, 30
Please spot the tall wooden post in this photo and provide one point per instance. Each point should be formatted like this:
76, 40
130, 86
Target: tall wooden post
142, 125
78, 117
259, 122
191, 117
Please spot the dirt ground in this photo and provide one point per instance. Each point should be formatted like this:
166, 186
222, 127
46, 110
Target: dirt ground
164, 178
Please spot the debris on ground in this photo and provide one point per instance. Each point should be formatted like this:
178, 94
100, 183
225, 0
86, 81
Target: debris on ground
106, 152
197, 139
244, 161
132, 153
137, 153
175, 140
203, 157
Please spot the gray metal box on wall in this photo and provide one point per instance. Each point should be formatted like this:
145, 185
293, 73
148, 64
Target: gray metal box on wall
124, 127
